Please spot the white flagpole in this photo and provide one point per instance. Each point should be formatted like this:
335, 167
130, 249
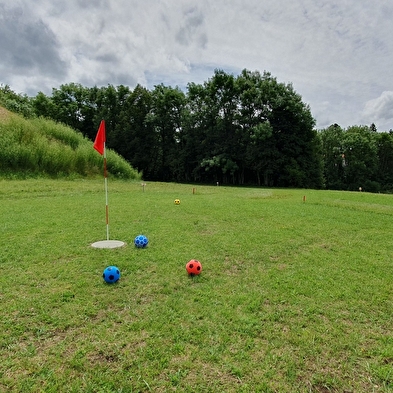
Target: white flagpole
100, 146
106, 195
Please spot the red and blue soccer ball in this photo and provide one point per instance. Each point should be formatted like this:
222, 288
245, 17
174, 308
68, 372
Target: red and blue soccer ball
111, 274
141, 241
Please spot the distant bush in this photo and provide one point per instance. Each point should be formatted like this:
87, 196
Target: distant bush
372, 186
42, 147
16, 103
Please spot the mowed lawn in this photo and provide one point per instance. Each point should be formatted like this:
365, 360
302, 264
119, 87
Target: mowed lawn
296, 292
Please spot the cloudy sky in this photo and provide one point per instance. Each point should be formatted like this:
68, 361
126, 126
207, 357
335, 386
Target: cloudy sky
338, 54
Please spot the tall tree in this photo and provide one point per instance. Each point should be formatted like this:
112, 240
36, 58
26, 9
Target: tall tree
135, 137
212, 130
258, 147
332, 139
196, 122
71, 105
294, 137
361, 159
385, 160
166, 119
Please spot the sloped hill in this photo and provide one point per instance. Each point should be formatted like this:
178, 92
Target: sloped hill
41, 147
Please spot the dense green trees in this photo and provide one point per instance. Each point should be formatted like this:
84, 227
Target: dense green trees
358, 157
250, 129
245, 129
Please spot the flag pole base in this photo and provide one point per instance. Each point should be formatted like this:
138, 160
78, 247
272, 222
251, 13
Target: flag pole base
108, 244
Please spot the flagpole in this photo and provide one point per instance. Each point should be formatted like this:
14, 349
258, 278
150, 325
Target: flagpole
99, 145
106, 195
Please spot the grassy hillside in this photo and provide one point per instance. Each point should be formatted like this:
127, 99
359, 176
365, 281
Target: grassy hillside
295, 296
40, 147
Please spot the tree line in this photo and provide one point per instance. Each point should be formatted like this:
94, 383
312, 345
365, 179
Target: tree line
245, 129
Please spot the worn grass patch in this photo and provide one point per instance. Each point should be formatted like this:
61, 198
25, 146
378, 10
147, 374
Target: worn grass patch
295, 296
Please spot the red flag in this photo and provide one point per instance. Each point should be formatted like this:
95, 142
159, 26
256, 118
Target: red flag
100, 140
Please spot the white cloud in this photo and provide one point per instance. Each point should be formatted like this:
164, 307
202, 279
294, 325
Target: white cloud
379, 110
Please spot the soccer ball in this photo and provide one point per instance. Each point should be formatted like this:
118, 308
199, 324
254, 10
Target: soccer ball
141, 241
111, 274
193, 267
177, 201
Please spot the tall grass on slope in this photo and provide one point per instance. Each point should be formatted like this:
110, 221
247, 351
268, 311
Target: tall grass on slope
43, 147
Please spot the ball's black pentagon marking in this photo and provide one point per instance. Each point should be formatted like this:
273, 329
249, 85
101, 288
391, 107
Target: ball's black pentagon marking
111, 277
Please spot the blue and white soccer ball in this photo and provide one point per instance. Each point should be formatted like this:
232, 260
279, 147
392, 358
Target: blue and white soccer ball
141, 241
111, 274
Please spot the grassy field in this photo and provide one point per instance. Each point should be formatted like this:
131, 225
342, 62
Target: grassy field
295, 295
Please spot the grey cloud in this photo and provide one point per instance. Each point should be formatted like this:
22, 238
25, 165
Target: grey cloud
190, 30
27, 45
111, 78
93, 4
108, 57
59, 9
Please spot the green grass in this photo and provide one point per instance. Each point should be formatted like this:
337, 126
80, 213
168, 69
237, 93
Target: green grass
295, 296
40, 147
